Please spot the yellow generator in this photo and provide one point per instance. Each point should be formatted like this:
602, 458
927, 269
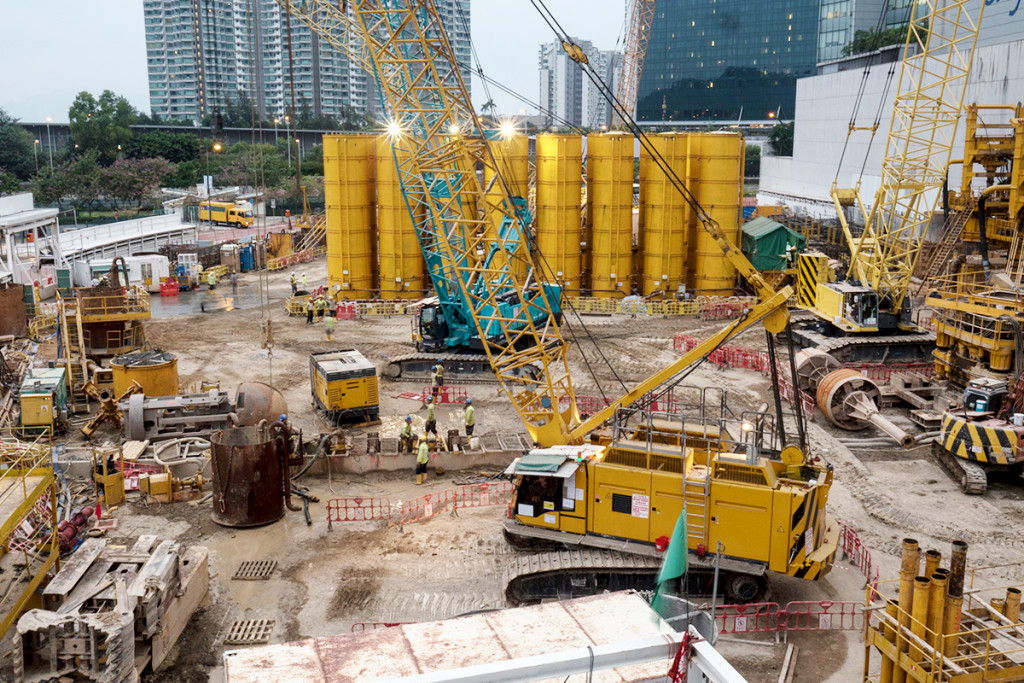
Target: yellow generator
344, 386
762, 508
44, 401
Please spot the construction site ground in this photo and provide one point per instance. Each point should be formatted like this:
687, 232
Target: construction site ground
326, 581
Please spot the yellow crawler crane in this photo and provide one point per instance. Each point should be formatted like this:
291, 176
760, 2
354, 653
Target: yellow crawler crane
471, 235
868, 317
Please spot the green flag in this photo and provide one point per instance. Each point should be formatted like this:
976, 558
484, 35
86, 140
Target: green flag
674, 564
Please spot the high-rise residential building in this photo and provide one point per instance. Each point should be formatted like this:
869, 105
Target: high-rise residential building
568, 93
727, 59
201, 53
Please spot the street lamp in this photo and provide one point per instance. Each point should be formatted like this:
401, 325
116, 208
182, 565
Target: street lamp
275, 132
35, 151
288, 129
49, 142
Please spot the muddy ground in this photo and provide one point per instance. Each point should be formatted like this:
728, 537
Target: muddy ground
326, 581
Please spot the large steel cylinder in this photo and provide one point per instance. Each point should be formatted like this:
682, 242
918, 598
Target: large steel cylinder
559, 233
155, 371
610, 213
248, 477
256, 401
664, 216
1012, 609
812, 366
850, 401
349, 196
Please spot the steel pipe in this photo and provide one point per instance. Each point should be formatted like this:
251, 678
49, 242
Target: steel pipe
919, 623
849, 400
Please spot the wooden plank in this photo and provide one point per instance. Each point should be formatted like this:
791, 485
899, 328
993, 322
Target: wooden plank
133, 449
195, 584
74, 569
792, 665
786, 663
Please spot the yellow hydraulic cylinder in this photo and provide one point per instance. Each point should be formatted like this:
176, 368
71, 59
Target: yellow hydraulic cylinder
919, 623
1012, 610
715, 175
350, 197
610, 213
936, 607
664, 216
560, 239
908, 570
885, 675
399, 254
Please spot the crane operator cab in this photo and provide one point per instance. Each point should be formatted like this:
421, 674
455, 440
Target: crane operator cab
433, 329
849, 306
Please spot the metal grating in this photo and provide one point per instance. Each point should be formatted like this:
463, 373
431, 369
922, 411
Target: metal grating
255, 570
250, 632
510, 442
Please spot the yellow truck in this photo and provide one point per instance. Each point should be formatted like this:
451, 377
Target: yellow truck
223, 213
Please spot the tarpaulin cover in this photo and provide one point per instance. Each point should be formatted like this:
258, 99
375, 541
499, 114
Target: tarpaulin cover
764, 243
540, 462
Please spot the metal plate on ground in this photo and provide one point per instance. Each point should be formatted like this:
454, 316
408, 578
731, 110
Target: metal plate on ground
511, 442
389, 446
255, 570
250, 632
491, 442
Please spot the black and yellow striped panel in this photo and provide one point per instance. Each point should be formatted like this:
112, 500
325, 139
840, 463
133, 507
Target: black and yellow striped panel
996, 445
807, 284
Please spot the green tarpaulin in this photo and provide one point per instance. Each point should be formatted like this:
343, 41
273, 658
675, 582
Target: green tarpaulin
764, 243
540, 462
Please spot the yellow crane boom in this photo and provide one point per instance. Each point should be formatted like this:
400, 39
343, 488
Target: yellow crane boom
638, 33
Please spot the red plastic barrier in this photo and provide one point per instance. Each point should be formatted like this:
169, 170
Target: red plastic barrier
824, 615
483, 495
425, 507
757, 617
361, 626
856, 551
357, 510
345, 311
449, 393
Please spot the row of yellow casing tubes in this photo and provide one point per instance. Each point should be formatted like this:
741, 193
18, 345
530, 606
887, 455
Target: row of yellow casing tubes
607, 249
929, 606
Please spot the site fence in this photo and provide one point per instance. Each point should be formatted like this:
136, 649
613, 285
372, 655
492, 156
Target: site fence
856, 552
282, 262
800, 615
418, 509
729, 356
448, 393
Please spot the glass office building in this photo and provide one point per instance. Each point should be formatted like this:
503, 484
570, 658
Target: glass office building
708, 60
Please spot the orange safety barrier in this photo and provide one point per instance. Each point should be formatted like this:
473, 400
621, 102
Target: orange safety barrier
856, 551
357, 510
483, 495
426, 506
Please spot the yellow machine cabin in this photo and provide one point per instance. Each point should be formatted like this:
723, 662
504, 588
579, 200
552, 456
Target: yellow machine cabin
344, 386
226, 214
765, 508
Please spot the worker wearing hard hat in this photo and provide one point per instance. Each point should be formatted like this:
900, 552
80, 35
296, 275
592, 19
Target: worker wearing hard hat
470, 417
422, 458
431, 418
407, 436
305, 283
438, 379
309, 311
295, 283
329, 326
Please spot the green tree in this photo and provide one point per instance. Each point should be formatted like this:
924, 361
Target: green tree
133, 181
9, 183
488, 107
174, 147
780, 137
16, 153
101, 124
752, 163
73, 182
873, 39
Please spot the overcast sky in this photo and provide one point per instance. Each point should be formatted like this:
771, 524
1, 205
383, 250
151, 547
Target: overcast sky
54, 49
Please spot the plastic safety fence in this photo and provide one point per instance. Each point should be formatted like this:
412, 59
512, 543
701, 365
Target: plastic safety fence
856, 552
926, 322
451, 500
357, 510
883, 372
708, 308
731, 356
349, 310
361, 626
449, 393
803, 615
290, 260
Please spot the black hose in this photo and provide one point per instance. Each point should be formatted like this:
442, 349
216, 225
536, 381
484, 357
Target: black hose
316, 455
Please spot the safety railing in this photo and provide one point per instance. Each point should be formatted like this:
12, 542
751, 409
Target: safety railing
883, 372
755, 617
282, 262
709, 308
41, 326
131, 302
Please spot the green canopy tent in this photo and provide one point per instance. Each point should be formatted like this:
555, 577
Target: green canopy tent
765, 242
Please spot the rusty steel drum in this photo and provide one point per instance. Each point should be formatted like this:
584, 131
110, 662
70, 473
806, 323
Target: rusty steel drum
248, 475
257, 401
